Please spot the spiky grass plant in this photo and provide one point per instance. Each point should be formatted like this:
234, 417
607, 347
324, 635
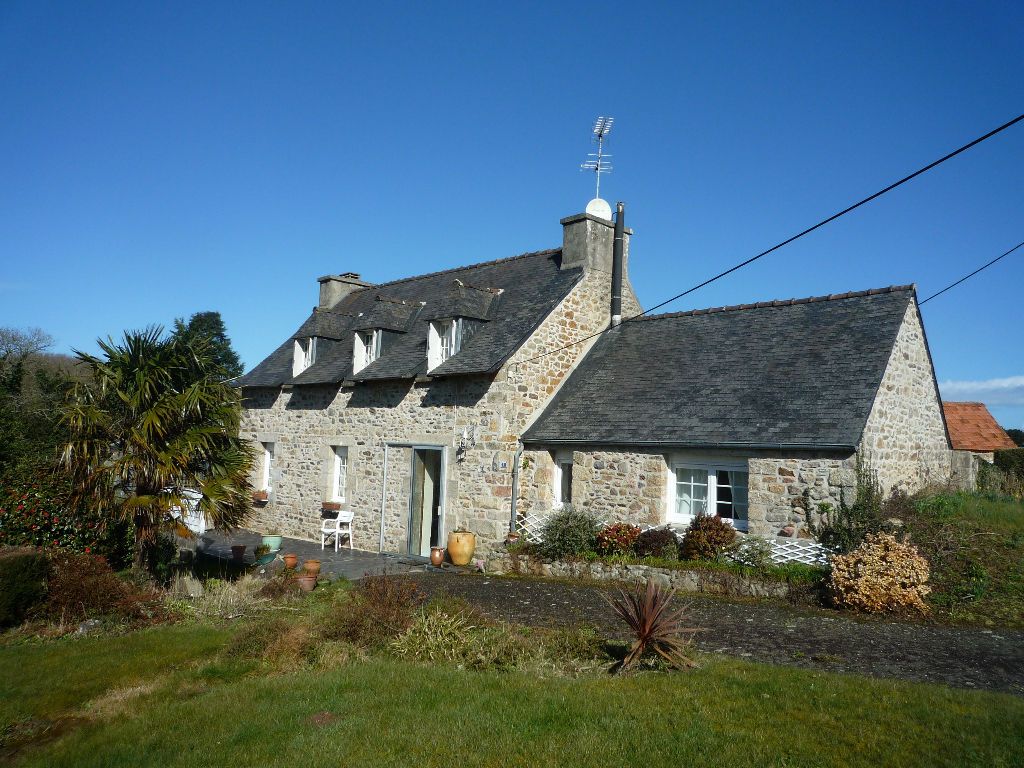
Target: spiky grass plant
658, 629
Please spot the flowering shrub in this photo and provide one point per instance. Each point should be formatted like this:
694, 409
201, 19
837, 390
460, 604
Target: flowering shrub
34, 511
706, 538
882, 574
617, 539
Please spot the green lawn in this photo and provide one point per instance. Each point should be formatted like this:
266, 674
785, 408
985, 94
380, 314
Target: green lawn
390, 713
975, 546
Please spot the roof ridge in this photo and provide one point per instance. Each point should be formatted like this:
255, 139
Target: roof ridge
782, 302
545, 252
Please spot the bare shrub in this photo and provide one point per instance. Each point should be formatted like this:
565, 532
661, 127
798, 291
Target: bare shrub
84, 586
379, 609
882, 575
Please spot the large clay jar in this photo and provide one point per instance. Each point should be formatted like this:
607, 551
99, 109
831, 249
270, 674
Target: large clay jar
461, 545
312, 568
436, 556
307, 583
238, 553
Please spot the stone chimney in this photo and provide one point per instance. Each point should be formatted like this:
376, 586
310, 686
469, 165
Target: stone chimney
334, 288
587, 242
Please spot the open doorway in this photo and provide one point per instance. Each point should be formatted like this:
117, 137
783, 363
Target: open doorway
426, 500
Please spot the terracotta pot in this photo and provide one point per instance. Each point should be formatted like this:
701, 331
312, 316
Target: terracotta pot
238, 552
260, 497
436, 556
512, 538
330, 506
461, 545
291, 560
311, 568
307, 583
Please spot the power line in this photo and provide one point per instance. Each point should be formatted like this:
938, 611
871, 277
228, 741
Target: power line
797, 236
967, 277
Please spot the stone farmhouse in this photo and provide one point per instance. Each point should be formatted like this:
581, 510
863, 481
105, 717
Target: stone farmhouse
458, 399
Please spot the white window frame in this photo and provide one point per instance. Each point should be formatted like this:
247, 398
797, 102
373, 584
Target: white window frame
712, 467
305, 354
339, 472
367, 348
559, 459
444, 340
267, 475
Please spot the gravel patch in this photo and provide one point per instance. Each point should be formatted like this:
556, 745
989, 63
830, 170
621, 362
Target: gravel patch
770, 632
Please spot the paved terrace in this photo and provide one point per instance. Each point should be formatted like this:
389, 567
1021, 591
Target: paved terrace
351, 564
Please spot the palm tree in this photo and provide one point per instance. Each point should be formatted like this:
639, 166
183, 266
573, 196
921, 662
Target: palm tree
156, 418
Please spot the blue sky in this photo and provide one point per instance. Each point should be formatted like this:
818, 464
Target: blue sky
159, 160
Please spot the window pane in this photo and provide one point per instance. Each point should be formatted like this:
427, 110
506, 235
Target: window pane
732, 494
566, 482
340, 472
691, 491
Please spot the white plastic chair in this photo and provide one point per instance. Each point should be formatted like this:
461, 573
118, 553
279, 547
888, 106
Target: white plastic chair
336, 526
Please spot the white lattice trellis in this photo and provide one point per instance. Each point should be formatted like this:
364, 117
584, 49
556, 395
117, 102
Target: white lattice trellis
803, 551
529, 524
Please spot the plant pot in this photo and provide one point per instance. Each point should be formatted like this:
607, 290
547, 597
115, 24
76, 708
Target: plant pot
260, 497
267, 558
311, 568
307, 583
274, 542
291, 560
238, 552
461, 545
330, 506
436, 556
513, 538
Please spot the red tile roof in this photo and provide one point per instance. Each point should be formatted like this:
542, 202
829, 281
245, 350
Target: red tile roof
972, 428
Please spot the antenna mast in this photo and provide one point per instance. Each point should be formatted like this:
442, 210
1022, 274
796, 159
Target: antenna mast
599, 163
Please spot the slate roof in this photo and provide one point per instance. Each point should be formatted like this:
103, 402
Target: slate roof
972, 428
794, 373
511, 297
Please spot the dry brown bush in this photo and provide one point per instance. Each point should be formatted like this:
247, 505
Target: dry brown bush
882, 575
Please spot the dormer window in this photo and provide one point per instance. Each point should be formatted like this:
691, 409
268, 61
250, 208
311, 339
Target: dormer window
367, 348
444, 340
305, 355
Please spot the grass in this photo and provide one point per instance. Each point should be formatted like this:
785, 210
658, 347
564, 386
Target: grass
975, 545
149, 699
47, 680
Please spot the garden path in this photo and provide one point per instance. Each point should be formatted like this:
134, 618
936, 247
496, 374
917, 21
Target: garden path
773, 633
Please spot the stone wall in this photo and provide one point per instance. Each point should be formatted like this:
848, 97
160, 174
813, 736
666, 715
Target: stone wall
905, 439
614, 486
964, 469
632, 486
681, 579
304, 422
777, 486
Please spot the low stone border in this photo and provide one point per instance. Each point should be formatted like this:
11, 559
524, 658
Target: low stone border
696, 580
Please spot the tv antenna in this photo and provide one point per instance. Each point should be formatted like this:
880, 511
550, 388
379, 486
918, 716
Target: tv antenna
599, 163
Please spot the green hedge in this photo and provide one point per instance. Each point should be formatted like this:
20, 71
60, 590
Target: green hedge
22, 584
1011, 461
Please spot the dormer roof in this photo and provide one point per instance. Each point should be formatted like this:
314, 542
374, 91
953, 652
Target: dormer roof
512, 295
